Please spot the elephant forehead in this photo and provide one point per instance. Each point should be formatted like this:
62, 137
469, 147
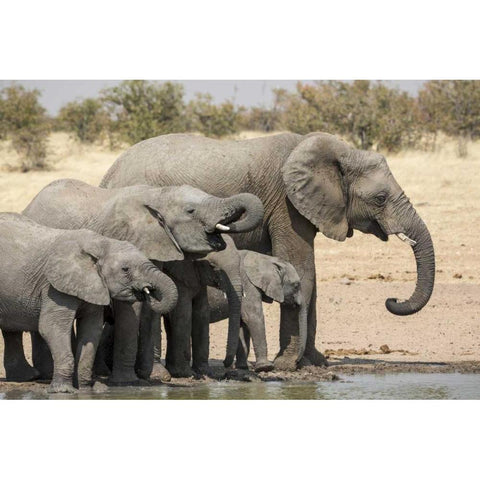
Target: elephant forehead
186, 193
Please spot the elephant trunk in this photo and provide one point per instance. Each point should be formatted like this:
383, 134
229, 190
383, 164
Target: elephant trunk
234, 292
302, 328
236, 214
425, 258
159, 290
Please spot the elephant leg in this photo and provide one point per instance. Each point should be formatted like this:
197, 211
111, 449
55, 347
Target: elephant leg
104, 356
289, 334
41, 356
125, 343
55, 326
17, 369
243, 349
160, 371
89, 331
252, 315
148, 337
157, 339
312, 356
201, 333
178, 325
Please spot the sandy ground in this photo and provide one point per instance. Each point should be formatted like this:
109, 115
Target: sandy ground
355, 277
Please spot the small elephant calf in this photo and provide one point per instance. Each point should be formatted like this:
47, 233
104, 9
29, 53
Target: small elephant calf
50, 277
264, 278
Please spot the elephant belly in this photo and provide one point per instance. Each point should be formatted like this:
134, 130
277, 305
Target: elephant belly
19, 315
218, 304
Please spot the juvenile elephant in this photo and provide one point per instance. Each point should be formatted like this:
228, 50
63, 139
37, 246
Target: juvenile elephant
187, 325
161, 222
267, 279
50, 277
307, 183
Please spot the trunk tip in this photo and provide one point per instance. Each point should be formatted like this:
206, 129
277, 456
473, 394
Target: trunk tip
397, 307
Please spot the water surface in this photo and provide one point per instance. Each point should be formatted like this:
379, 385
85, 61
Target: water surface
360, 386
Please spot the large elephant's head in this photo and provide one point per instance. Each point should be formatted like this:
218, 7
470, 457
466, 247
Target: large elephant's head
95, 268
339, 189
164, 223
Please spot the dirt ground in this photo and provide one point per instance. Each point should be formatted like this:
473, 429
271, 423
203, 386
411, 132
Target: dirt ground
355, 277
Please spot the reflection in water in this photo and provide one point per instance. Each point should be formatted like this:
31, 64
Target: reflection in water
361, 386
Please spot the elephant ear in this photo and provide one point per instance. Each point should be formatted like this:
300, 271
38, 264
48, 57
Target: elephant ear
313, 180
266, 273
71, 269
135, 220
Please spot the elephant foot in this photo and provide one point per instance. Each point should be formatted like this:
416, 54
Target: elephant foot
203, 370
264, 366
139, 382
241, 365
180, 371
22, 374
313, 357
102, 370
125, 378
144, 373
287, 363
241, 376
159, 371
61, 387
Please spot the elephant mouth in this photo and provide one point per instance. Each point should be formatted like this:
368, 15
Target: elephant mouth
378, 231
216, 241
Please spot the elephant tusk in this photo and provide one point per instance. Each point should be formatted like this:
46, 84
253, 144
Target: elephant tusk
146, 290
222, 228
405, 239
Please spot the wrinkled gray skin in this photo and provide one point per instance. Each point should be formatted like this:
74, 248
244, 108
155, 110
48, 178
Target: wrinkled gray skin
50, 277
191, 318
162, 222
307, 184
268, 279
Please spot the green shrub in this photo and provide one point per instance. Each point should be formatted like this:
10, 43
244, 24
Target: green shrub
86, 119
210, 119
452, 106
24, 121
140, 109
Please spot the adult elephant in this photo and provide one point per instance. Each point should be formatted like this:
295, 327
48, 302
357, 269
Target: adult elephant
310, 183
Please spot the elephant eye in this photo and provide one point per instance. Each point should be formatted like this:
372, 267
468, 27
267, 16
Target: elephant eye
380, 199
190, 210
125, 269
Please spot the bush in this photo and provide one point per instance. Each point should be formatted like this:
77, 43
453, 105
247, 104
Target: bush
87, 119
24, 121
366, 113
452, 106
210, 119
140, 109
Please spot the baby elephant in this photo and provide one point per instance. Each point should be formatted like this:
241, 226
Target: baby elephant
50, 277
264, 278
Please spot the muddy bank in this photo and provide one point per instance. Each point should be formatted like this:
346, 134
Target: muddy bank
339, 370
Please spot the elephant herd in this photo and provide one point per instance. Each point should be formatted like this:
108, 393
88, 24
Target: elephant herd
195, 230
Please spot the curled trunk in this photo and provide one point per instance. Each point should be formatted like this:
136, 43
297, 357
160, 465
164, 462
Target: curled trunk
235, 214
302, 329
425, 259
163, 293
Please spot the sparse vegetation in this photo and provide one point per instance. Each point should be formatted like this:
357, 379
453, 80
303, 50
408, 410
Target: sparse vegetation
86, 119
210, 119
368, 114
24, 121
140, 109
452, 106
